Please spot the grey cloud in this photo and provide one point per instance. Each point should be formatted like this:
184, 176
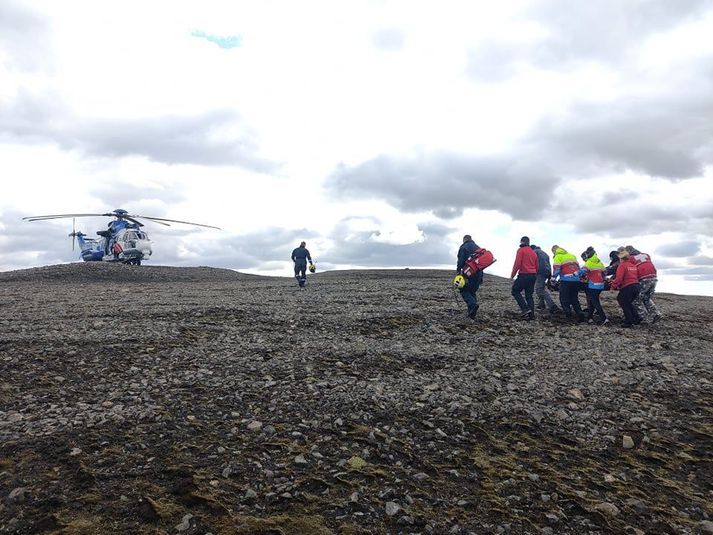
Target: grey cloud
244, 251
606, 29
700, 261
24, 243
218, 137
23, 36
388, 39
448, 183
360, 249
679, 249
670, 137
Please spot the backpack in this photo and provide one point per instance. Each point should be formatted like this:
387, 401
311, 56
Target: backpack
478, 261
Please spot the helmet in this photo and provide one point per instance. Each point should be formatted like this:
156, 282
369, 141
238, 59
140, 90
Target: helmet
459, 282
312, 268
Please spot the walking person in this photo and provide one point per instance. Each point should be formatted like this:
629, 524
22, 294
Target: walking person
300, 256
525, 268
627, 282
565, 268
468, 291
647, 280
594, 270
544, 272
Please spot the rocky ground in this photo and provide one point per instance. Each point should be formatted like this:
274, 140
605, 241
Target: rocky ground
157, 400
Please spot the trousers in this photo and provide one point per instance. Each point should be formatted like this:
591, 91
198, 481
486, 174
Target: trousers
643, 302
544, 299
569, 298
626, 299
525, 283
468, 293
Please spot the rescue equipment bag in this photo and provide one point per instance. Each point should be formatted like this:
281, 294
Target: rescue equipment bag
478, 261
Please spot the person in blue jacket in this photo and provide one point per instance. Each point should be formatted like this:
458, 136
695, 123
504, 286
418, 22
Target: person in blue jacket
300, 256
468, 292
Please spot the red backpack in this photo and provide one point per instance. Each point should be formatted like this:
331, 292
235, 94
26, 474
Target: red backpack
478, 261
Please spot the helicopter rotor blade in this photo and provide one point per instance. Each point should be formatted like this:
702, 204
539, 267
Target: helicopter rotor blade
58, 216
128, 218
74, 233
159, 219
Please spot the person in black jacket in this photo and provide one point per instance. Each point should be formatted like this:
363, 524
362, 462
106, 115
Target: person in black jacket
300, 256
468, 292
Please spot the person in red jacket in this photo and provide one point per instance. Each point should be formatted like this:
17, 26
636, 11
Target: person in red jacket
647, 279
525, 267
627, 282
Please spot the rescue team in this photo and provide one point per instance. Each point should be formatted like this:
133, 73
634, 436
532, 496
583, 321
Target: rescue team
630, 271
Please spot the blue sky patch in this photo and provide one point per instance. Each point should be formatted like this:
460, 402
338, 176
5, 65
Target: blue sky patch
223, 41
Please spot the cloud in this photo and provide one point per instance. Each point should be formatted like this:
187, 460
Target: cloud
562, 35
23, 36
700, 261
244, 251
389, 39
680, 249
24, 243
363, 247
668, 136
218, 137
223, 41
448, 183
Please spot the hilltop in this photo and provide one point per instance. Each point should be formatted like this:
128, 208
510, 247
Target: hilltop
192, 400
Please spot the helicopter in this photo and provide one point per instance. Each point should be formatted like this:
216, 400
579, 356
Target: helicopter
124, 240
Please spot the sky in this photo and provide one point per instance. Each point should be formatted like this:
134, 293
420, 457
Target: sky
378, 131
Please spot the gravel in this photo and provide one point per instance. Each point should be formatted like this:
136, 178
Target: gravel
148, 399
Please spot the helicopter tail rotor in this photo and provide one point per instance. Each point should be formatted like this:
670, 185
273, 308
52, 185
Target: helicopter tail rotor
74, 233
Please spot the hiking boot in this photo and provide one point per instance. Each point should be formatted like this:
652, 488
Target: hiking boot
554, 309
656, 318
525, 314
606, 321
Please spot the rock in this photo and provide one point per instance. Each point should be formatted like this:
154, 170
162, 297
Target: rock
607, 508
354, 497
75, 452
575, 393
18, 495
356, 462
392, 508
627, 442
705, 526
300, 459
185, 524
250, 494
255, 425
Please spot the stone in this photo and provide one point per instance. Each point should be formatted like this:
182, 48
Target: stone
185, 524
18, 495
356, 462
627, 442
705, 526
607, 508
255, 425
300, 459
392, 508
250, 494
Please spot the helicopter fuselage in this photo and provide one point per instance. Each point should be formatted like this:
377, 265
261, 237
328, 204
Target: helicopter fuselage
122, 242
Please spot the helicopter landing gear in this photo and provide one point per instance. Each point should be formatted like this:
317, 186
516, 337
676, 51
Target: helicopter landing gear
134, 262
